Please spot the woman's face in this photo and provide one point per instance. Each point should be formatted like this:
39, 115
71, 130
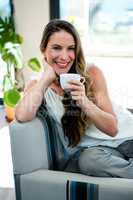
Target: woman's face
60, 51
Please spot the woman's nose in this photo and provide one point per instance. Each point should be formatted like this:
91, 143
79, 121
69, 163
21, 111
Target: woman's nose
64, 54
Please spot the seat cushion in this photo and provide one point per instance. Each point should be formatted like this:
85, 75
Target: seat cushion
51, 185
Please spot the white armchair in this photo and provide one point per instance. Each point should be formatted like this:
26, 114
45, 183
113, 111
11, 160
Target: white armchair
35, 178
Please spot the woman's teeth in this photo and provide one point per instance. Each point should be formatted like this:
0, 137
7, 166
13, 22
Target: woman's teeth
62, 64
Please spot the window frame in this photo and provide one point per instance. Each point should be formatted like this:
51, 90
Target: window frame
54, 9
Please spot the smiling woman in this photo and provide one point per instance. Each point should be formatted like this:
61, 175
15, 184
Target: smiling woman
92, 125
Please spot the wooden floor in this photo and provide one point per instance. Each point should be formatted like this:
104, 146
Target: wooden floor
7, 194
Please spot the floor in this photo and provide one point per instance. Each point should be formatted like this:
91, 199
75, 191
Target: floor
7, 194
6, 168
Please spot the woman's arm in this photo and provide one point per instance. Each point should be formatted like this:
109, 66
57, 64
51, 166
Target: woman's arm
33, 96
101, 113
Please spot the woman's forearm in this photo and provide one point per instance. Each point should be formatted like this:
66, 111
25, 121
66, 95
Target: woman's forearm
104, 121
28, 106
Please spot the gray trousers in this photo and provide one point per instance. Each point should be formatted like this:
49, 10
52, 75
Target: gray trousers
104, 161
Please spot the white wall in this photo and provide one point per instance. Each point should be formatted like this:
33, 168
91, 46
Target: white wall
118, 72
30, 18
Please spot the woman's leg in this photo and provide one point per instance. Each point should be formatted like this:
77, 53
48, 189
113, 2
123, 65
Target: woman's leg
72, 164
106, 162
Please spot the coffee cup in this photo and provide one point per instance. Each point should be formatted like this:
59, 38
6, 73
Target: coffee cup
66, 77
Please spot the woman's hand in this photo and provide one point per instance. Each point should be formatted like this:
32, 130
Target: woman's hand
49, 73
78, 92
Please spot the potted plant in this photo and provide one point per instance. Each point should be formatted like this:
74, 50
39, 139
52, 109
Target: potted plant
12, 95
10, 50
13, 58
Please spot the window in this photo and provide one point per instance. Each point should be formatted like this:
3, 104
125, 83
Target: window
6, 10
106, 25
106, 31
111, 26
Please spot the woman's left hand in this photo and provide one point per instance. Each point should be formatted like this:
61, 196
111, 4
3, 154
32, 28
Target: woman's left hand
77, 92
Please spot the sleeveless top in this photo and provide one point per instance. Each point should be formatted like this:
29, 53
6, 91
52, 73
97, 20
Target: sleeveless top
93, 136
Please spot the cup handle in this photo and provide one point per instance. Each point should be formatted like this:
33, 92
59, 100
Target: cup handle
82, 79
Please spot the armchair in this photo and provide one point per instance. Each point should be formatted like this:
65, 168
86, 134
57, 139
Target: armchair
37, 177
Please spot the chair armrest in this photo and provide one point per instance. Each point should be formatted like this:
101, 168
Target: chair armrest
28, 146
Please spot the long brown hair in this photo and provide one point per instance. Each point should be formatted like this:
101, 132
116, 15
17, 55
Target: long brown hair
74, 121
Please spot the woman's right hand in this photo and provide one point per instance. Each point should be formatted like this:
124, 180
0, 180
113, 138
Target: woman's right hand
49, 73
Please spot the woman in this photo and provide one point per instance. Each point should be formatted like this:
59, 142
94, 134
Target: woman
86, 114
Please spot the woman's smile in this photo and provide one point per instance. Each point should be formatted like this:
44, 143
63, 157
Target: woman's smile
62, 64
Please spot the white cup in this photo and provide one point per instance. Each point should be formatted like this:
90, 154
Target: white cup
65, 78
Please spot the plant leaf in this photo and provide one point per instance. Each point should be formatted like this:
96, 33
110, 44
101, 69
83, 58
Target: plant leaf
34, 64
11, 97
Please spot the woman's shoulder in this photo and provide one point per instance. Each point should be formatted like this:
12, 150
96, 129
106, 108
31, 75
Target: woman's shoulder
95, 72
93, 69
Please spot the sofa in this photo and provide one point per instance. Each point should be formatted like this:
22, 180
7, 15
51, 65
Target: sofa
37, 178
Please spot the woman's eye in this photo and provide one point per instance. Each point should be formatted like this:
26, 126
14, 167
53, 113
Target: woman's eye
71, 48
56, 48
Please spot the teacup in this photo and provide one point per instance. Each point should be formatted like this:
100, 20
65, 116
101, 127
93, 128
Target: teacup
66, 77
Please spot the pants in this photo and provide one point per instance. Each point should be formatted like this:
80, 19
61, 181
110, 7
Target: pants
104, 161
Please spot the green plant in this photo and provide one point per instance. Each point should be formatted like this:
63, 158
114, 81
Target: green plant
34, 64
7, 32
10, 52
11, 97
10, 49
12, 56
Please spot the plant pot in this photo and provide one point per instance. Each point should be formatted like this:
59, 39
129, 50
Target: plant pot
9, 113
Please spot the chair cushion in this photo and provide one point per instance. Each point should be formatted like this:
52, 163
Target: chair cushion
29, 146
51, 185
